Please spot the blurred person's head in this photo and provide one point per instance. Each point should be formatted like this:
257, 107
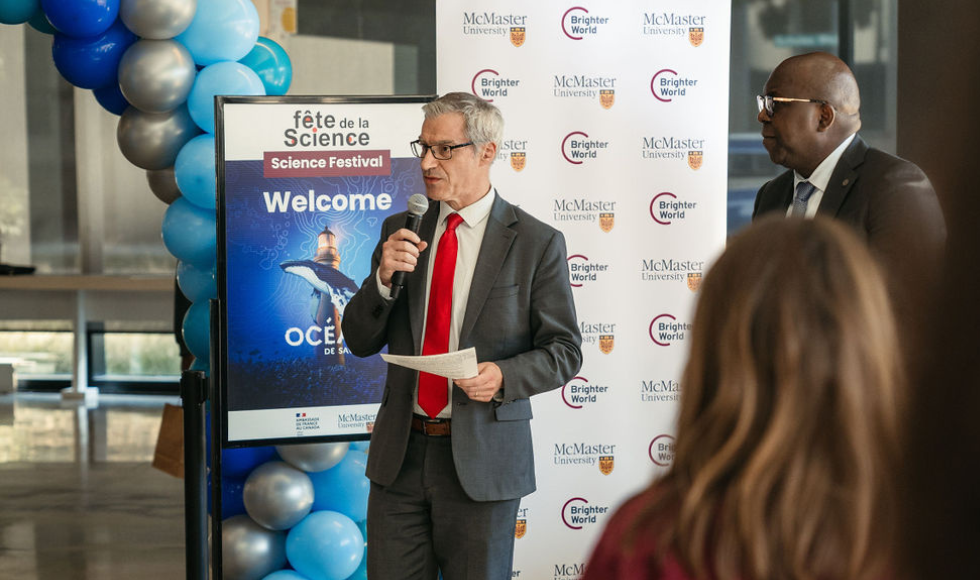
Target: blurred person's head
789, 421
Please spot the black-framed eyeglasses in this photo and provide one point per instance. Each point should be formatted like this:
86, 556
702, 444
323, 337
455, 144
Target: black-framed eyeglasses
440, 152
767, 103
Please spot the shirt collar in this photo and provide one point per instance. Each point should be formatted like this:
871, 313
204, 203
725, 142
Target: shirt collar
820, 177
472, 214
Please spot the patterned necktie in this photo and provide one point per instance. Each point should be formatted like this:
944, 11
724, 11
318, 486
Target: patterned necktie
804, 190
433, 390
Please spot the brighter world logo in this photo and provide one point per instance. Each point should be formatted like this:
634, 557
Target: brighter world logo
661, 450
577, 146
488, 84
577, 513
577, 23
666, 85
665, 330
666, 208
577, 392
581, 271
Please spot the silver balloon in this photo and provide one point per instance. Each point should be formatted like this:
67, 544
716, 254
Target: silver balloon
152, 140
156, 76
278, 495
157, 19
313, 457
249, 551
163, 184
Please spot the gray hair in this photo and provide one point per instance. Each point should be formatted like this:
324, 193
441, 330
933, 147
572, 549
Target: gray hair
483, 122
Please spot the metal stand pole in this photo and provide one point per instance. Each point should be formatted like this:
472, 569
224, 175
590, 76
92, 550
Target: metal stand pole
193, 393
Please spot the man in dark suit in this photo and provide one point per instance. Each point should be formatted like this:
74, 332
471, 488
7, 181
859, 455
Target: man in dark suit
450, 460
810, 115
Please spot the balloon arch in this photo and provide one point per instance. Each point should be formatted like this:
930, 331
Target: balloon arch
289, 512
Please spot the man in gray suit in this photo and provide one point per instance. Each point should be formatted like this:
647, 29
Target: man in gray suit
810, 115
447, 476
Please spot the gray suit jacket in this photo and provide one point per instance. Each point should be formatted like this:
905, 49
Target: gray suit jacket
519, 314
891, 204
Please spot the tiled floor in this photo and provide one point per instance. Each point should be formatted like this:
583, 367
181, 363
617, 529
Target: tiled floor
78, 497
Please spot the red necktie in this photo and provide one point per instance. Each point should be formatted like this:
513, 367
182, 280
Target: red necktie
433, 390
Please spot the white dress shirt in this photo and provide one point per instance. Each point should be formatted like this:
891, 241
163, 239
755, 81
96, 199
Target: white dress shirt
469, 233
820, 178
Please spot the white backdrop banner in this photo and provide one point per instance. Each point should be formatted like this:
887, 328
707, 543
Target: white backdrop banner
617, 134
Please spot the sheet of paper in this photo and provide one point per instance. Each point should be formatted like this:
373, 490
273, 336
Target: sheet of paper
452, 365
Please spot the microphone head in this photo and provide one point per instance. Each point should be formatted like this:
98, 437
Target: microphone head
418, 204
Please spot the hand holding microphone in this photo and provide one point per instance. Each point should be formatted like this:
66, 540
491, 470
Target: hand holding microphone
401, 251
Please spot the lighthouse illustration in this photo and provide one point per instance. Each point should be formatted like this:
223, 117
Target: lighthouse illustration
332, 290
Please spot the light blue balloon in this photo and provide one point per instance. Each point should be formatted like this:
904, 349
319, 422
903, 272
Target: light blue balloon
343, 488
18, 11
325, 546
272, 64
361, 446
197, 329
285, 575
189, 233
197, 283
81, 18
222, 78
222, 30
194, 171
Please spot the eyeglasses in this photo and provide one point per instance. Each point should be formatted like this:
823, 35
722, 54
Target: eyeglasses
440, 152
767, 103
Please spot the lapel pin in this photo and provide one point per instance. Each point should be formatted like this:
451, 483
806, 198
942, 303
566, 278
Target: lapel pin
846, 181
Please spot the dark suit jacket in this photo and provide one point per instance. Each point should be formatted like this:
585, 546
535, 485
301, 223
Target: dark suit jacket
519, 314
890, 203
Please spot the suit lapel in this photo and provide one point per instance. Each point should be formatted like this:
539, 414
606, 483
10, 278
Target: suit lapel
497, 240
416, 282
843, 178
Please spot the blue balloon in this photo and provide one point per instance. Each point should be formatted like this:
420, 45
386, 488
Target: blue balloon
81, 18
222, 78
285, 575
343, 488
325, 546
198, 284
222, 30
91, 62
361, 446
239, 462
111, 99
197, 329
18, 11
232, 497
272, 64
39, 21
195, 170
190, 233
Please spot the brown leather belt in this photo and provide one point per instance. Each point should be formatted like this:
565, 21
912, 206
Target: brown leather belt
431, 427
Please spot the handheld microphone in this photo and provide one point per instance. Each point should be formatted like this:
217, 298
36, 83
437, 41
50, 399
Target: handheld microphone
418, 204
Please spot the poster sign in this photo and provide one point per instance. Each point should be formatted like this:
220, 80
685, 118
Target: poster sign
304, 185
